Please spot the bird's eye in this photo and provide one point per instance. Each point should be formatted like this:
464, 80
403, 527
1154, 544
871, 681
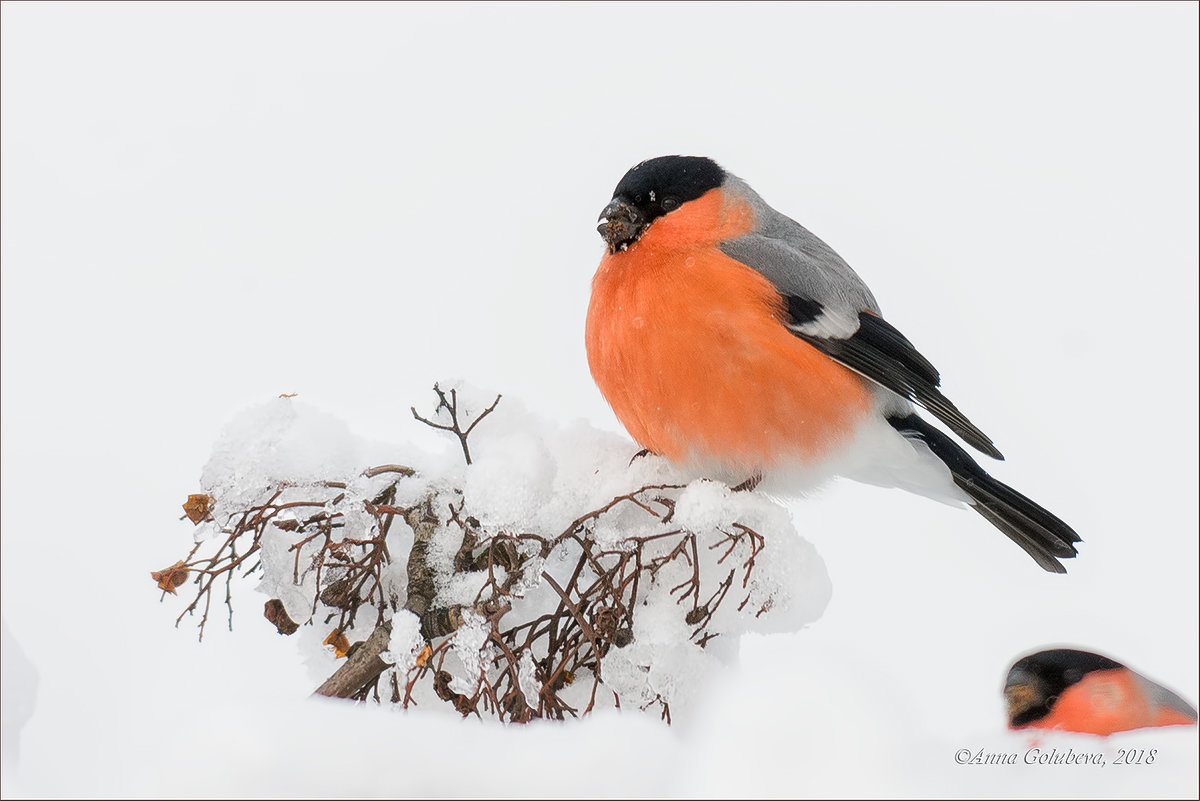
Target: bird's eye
669, 203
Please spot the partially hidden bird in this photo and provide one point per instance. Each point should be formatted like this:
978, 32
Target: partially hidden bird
1079, 691
729, 339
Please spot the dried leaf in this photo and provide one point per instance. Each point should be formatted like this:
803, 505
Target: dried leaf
169, 578
517, 708
339, 594
503, 552
441, 685
275, 613
288, 394
198, 507
423, 657
341, 645
605, 622
464, 705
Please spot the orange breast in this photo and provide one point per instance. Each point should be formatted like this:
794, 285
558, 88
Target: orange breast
689, 348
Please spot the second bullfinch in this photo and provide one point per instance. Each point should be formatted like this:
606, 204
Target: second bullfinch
729, 338
1079, 691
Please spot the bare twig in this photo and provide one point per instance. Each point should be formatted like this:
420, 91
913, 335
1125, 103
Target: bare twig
598, 590
389, 468
450, 404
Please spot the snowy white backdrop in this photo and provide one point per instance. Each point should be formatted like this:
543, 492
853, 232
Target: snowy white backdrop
207, 205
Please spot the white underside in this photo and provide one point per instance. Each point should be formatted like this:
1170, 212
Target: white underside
877, 455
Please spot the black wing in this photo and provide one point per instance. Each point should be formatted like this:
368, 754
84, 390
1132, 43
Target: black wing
1039, 533
881, 353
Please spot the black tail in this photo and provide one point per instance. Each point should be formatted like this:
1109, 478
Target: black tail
1042, 535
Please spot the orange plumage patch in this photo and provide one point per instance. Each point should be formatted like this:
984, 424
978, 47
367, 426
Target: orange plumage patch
689, 348
1107, 701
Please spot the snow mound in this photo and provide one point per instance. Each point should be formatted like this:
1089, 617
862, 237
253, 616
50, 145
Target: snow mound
554, 575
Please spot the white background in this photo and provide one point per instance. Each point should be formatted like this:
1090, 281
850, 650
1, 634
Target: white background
207, 205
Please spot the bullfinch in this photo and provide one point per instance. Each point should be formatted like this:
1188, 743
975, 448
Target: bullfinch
1085, 692
728, 338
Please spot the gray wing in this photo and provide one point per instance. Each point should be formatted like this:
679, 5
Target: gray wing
829, 306
1161, 696
799, 264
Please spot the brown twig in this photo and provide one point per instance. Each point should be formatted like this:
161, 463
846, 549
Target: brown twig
450, 404
599, 590
360, 669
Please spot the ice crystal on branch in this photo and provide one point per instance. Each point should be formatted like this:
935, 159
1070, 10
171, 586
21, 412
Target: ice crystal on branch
538, 575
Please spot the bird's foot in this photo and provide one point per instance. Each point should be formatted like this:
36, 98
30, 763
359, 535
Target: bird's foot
640, 454
749, 484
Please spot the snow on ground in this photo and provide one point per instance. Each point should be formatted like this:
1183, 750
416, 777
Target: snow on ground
205, 206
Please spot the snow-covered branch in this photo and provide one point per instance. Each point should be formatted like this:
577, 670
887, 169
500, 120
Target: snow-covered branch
545, 578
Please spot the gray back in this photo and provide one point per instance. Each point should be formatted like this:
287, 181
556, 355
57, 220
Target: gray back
1161, 696
795, 260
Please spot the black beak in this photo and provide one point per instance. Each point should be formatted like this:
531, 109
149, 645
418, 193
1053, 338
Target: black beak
1023, 698
622, 225
1019, 678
